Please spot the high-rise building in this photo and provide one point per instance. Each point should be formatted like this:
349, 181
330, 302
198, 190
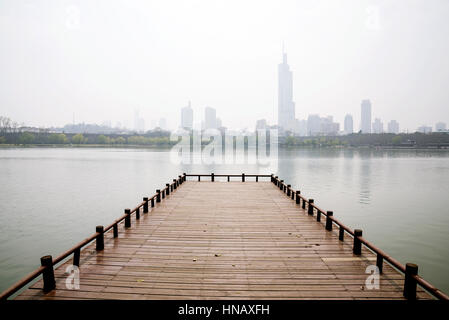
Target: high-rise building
286, 106
365, 121
440, 126
349, 124
424, 129
210, 118
187, 117
313, 125
163, 123
261, 124
378, 126
393, 127
139, 123
219, 124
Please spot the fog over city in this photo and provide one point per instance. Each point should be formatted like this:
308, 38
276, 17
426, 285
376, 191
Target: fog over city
100, 61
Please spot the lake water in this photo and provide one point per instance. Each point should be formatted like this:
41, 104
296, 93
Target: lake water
52, 198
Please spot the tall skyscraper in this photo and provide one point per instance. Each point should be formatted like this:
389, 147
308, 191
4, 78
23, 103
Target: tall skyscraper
187, 117
286, 106
349, 124
365, 121
210, 118
393, 127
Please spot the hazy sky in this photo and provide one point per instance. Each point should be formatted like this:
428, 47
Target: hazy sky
103, 59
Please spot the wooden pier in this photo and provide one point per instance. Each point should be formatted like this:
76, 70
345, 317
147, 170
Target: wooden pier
202, 237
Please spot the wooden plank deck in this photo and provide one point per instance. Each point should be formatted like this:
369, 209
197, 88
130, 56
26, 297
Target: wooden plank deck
224, 240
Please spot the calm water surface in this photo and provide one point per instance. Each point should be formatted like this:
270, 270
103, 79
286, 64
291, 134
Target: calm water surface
50, 199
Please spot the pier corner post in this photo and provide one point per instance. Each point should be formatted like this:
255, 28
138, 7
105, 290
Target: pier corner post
128, 218
48, 275
411, 270
310, 207
329, 215
357, 248
100, 238
184, 176
298, 199
145, 205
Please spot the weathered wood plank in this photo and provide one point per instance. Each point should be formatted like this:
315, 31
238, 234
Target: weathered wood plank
224, 240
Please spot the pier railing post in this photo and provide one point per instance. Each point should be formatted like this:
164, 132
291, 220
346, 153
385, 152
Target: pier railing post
163, 193
152, 202
174, 184
137, 213
145, 205
288, 190
212, 177
100, 238
168, 188
184, 176
341, 234
329, 214
276, 181
76, 257
357, 248
128, 218
115, 230
411, 270
310, 207
199, 178
179, 180
298, 199
304, 203
380, 262
272, 178
281, 185
158, 195
48, 275
318, 215
243, 177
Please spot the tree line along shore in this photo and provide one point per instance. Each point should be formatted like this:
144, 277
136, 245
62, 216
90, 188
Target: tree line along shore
413, 140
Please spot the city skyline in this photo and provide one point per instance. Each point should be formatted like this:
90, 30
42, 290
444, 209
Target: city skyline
336, 53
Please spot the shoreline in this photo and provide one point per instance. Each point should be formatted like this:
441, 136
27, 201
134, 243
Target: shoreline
283, 147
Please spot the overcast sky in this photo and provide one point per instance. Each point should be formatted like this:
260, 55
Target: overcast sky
101, 60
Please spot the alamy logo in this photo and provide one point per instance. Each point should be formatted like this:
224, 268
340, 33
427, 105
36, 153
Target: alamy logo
372, 282
73, 279
212, 146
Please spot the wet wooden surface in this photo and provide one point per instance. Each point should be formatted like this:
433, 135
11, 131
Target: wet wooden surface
224, 240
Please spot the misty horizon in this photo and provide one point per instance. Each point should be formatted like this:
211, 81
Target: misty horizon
99, 62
